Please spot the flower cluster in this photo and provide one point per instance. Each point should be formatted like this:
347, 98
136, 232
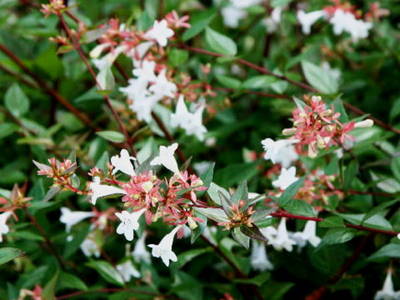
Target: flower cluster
54, 7
344, 18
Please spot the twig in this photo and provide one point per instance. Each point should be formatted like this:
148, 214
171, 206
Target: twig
46, 88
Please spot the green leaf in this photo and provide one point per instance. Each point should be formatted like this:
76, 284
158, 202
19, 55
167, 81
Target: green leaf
7, 129
349, 174
50, 288
220, 43
319, 78
189, 255
107, 271
332, 222
112, 136
198, 23
259, 82
216, 214
177, 57
69, 281
388, 251
299, 207
16, 101
235, 173
338, 236
8, 253
290, 192
214, 190
208, 176
241, 193
105, 79
229, 82
257, 280
240, 237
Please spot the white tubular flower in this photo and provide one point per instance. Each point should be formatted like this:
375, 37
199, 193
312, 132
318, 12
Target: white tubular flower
232, 16
70, 218
164, 248
387, 292
245, 3
162, 86
90, 248
309, 234
281, 151
282, 239
160, 32
343, 21
272, 22
286, 178
364, 124
107, 60
123, 163
140, 252
269, 232
129, 223
308, 19
259, 259
127, 271
146, 71
190, 122
4, 229
166, 158
96, 52
101, 190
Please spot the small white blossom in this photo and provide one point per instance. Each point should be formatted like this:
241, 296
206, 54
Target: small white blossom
160, 32
387, 292
89, 247
101, 190
364, 124
129, 223
308, 234
343, 21
107, 60
140, 252
190, 122
167, 159
308, 19
127, 271
282, 239
145, 71
232, 16
4, 229
286, 178
259, 259
281, 151
162, 87
123, 163
272, 22
164, 248
70, 218
335, 73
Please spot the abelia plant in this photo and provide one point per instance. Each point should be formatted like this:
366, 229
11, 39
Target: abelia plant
199, 150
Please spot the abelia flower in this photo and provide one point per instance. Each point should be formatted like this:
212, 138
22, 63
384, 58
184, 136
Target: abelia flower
272, 22
90, 247
175, 21
162, 87
259, 259
286, 178
70, 218
307, 235
160, 32
164, 248
123, 163
387, 292
282, 239
343, 21
129, 222
4, 229
140, 252
166, 158
99, 190
190, 122
280, 151
127, 271
308, 19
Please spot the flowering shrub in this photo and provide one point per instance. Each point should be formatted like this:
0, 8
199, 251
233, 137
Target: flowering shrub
232, 149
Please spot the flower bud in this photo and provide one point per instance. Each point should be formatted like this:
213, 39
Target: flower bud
289, 131
364, 124
147, 186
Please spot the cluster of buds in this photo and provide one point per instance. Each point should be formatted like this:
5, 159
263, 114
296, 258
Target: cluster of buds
62, 173
239, 215
316, 126
54, 7
375, 11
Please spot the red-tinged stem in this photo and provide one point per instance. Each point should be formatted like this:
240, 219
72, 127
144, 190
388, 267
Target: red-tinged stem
78, 48
46, 88
302, 85
109, 290
284, 214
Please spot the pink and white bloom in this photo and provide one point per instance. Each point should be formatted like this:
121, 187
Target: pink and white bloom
70, 218
259, 259
99, 190
387, 292
190, 122
167, 159
280, 151
140, 252
128, 271
123, 163
160, 32
164, 248
309, 234
286, 178
4, 229
308, 19
129, 222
